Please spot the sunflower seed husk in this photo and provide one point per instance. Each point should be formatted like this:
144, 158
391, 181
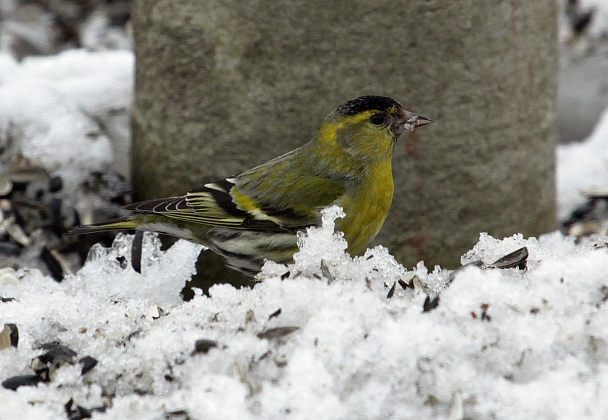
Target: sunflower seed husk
9, 336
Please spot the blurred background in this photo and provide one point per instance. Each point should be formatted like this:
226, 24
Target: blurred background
68, 115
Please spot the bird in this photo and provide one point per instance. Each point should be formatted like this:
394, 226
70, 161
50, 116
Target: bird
255, 216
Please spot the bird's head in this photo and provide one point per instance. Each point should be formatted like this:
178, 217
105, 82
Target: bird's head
367, 127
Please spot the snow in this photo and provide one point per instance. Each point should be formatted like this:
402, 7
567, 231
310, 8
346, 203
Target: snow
502, 343
165, 276
582, 166
69, 112
599, 23
355, 354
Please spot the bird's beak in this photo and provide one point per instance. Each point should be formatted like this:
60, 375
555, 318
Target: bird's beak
408, 121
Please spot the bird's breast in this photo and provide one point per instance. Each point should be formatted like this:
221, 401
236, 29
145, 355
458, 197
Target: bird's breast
366, 207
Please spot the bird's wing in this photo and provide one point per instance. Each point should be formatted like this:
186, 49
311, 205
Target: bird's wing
221, 204
210, 205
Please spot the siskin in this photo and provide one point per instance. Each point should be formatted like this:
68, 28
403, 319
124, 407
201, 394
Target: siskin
256, 214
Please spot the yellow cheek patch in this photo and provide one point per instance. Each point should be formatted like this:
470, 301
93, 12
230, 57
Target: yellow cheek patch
328, 132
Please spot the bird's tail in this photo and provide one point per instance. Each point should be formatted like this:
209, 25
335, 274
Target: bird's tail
117, 224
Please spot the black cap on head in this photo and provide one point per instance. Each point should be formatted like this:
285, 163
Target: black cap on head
365, 103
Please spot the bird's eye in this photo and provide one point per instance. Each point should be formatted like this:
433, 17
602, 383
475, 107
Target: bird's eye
377, 119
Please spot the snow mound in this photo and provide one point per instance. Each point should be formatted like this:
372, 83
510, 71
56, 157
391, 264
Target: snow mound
319, 338
582, 166
67, 113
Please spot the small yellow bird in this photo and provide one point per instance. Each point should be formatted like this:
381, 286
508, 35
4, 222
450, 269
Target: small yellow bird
255, 215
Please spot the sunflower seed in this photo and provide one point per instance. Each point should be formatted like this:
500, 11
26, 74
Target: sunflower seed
9, 336
8, 277
6, 186
279, 332
203, 346
391, 291
87, 363
52, 263
430, 304
275, 314
21, 380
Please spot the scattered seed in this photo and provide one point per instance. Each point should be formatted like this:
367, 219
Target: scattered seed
484, 312
471, 264
177, 415
122, 261
457, 406
15, 231
8, 277
275, 314
391, 291
6, 186
203, 346
9, 336
278, 332
516, 259
430, 304
280, 360
249, 317
604, 291
10, 249
76, 413
405, 285
52, 263
326, 272
136, 251
57, 217
79, 412
56, 356
87, 363
598, 193
21, 380
55, 184
24, 172
155, 312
